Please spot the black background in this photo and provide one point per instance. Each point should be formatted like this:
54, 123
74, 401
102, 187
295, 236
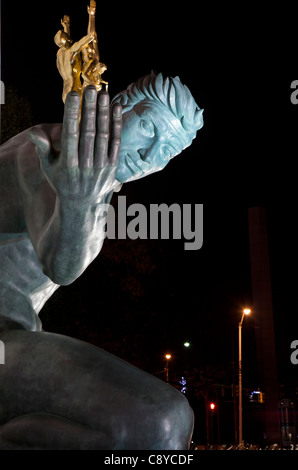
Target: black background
239, 63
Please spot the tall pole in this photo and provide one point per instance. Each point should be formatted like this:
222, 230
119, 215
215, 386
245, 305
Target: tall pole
235, 399
265, 333
246, 311
168, 357
167, 371
240, 381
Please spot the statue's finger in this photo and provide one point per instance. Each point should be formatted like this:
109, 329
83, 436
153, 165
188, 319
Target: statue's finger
71, 130
88, 127
102, 130
116, 129
41, 141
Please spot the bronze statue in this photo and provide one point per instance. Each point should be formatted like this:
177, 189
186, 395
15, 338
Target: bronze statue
57, 392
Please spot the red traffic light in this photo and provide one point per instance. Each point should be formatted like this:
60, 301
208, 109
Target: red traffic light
212, 406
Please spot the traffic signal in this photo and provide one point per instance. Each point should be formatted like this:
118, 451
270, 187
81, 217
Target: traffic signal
212, 406
261, 397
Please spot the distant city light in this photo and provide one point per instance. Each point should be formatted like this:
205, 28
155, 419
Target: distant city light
183, 383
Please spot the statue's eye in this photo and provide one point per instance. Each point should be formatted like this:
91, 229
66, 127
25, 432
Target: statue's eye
146, 128
166, 151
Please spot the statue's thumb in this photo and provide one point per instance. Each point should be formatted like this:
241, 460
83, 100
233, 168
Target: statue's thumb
41, 141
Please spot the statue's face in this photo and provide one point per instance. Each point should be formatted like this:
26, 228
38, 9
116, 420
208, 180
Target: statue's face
151, 137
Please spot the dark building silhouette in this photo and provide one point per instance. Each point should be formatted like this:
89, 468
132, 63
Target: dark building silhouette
264, 321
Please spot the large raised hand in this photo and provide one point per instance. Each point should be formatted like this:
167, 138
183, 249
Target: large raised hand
84, 170
82, 175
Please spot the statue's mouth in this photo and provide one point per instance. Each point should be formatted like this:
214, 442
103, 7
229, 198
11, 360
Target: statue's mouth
134, 167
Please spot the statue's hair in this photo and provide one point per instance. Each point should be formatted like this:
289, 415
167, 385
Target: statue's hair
168, 91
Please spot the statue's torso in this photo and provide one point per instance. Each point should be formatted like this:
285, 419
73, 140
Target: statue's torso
24, 288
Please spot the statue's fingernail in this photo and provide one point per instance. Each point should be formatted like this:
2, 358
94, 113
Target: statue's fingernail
104, 99
90, 94
117, 110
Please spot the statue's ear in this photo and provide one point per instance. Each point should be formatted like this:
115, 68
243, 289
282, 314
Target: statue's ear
199, 118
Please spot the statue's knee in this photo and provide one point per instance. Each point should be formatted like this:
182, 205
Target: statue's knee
175, 421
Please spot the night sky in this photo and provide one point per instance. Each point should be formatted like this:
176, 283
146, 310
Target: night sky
239, 63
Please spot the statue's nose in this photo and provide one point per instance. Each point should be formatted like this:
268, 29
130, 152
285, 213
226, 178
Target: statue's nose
148, 154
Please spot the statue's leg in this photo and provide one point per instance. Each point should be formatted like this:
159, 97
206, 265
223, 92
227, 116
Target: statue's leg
57, 392
41, 431
86, 72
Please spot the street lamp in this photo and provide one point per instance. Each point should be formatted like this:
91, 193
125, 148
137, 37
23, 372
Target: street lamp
168, 357
246, 311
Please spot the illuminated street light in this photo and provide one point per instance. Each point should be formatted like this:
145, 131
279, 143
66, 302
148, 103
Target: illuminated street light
168, 357
186, 344
246, 311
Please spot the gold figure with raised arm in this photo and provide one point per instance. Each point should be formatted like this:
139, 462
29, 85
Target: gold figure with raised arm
68, 59
92, 67
78, 63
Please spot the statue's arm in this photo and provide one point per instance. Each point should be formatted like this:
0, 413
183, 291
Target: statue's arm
66, 24
79, 180
77, 46
91, 12
91, 25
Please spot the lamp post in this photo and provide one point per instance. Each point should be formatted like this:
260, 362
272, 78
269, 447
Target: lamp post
168, 357
246, 311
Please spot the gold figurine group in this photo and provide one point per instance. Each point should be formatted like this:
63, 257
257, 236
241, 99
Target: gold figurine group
78, 63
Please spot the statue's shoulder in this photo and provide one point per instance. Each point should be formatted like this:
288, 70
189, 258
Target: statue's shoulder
19, 162
20, 150
21, 141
